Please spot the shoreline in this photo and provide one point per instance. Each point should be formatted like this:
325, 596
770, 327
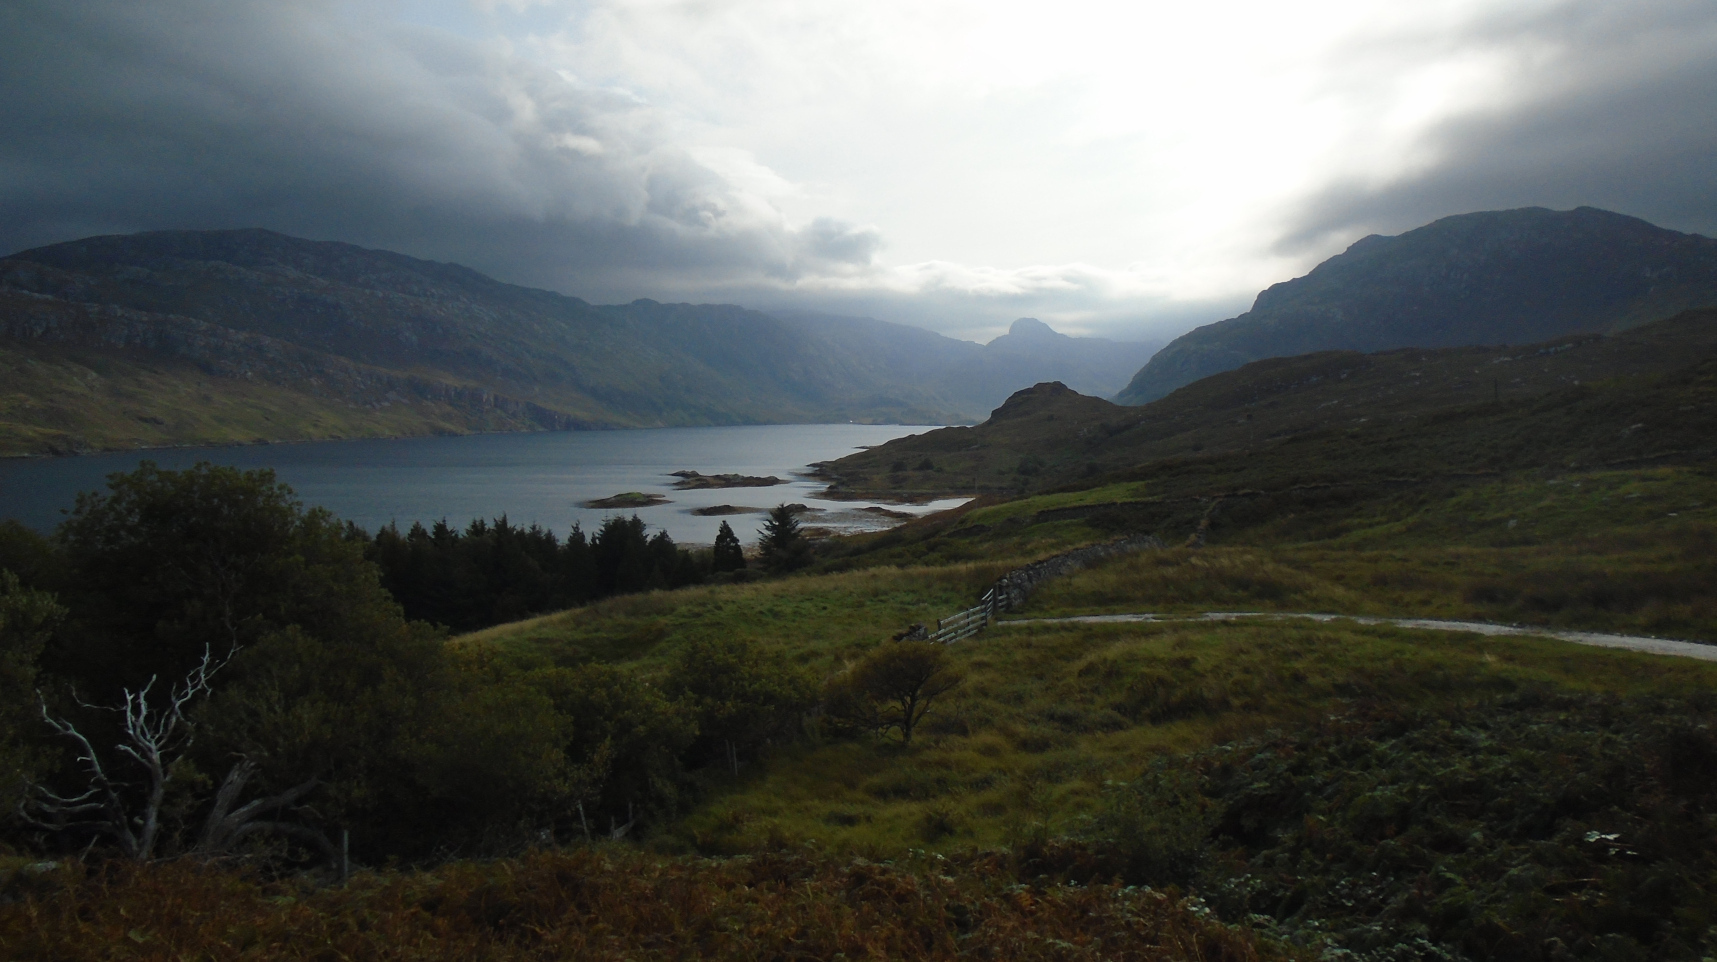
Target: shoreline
269, 442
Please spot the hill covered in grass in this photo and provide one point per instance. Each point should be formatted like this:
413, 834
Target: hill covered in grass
1334, 418
182, 337
1493, 277
1276, 769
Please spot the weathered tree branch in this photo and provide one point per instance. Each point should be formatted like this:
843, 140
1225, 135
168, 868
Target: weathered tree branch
151, 738
226, 824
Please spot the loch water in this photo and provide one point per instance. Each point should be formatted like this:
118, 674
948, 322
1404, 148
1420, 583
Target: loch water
531, 478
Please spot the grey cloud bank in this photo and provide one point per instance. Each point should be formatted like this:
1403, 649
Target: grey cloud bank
1619, 117
339, 121
311, 119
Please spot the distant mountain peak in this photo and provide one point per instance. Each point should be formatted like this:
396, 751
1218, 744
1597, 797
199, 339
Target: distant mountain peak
1489, 277
1031, 327
1033, 399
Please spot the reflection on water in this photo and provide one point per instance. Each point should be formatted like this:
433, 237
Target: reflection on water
532, 478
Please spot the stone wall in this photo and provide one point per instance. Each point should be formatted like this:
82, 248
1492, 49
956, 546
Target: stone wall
1013, 588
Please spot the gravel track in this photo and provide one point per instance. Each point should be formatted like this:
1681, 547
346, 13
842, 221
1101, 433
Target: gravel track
1645, 643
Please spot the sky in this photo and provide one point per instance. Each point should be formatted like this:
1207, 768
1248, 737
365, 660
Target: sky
1119, 169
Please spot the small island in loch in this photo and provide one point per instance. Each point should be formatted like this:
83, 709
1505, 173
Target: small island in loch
629, 499
693, 481
718, 510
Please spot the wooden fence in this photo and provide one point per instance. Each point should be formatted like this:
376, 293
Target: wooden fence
964, 624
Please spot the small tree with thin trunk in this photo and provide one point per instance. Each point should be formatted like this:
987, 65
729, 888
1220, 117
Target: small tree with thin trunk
893, 688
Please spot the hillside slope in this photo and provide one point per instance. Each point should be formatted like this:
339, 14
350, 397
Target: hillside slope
1484, 405
256, 335
300, 314
1494, 277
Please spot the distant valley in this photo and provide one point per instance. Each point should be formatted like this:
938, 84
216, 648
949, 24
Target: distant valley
187, 337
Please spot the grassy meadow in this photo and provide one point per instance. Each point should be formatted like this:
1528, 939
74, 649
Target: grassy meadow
1049, 715
817, 620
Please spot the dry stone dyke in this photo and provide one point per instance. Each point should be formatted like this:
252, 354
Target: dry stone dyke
1012, 589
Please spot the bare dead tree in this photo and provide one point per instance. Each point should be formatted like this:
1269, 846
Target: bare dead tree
226, 824
154, 736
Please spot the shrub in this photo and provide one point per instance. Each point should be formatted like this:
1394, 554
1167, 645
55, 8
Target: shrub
27, 618
1155, 828
740, 695
893, 688
1538, 827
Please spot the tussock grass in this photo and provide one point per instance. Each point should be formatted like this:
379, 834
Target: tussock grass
1522, 509
1188, 580
1605, 551
1013, 541
1050, 713
818, 619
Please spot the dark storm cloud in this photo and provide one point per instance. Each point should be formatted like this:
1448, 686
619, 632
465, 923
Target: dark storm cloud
323, 120
1621, 118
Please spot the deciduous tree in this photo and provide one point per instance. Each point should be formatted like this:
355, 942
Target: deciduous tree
125, 793
893, 688
169, 564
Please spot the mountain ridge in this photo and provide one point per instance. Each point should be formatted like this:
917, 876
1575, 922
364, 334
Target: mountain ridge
1341, 402
348, 332
1489, 277
978, 377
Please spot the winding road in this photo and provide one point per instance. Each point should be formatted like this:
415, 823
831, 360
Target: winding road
1655, 646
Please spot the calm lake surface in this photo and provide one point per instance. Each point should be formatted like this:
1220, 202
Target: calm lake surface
531, 478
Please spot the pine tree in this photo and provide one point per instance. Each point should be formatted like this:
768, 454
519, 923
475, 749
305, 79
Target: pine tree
728, 555
781, 545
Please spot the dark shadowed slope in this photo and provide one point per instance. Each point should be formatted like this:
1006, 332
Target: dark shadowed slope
265, 296
1409, 411
1495, 277
181, 337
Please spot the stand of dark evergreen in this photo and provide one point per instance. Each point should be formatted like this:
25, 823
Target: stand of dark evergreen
196, 654
497, 572
306, 686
